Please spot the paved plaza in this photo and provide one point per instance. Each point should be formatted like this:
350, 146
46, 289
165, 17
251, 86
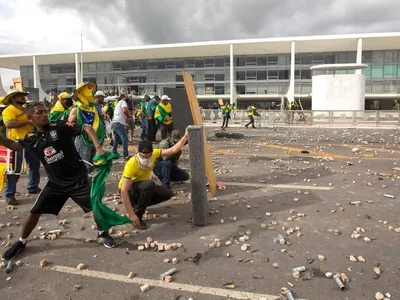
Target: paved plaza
293, 182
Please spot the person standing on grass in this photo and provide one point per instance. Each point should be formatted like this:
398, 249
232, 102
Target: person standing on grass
51, 143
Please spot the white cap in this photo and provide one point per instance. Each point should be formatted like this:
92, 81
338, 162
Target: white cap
99, 93
165, 97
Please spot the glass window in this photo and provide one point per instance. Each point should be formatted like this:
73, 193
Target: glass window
151, 64
92, 68
189, 63
219, 89
251, 60
142, 79
367, 72
240, 61
160, 64
209, 62
219, 77
377, 87
272, 87
209, 88
390, 57
227, 61
61, 80
69, 68
209, 77
200, 89
329, 59
377, 72
390, 86
240, 75
368, 87
377, 57
317, 58
283, 74
296, 74
305, 88
109, 79
251, 75
390, 71
227, 88
220, 62
261, 75
199, 75
132, 79
100, 79
178, 77
251, 88
262, 88
272, 74
100, 67
142, 65
261, 61
367, 56
180, 64
351, 57
170, 64
241, 89
70, 81
342, 57
272, 59
125, 65
133, 65
227, 74
170, 76
297, 59
283, 59
306, 59
161, 76
116, 66
53, 69
199, 63
283, 87
152, 77
305, 74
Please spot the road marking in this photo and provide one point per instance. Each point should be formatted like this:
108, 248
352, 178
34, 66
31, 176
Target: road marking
172, 285
279, 186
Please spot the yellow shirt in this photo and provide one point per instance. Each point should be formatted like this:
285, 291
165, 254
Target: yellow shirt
159, 116
11, 113
134, 173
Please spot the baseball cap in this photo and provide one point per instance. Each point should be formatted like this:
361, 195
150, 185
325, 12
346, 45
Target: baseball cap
176, 135
99, 93
165, 97
64, 95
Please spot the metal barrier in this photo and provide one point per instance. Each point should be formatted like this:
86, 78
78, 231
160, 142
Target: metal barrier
363, 118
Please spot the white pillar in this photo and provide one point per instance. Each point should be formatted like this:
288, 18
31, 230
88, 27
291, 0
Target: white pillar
231, 72
77, 76
290, 93
359, 55
35, 73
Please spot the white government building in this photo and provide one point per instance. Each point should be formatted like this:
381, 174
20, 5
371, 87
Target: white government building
335, 72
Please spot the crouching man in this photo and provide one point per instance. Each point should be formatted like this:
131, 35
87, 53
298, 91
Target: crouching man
166, 168
137, 190
52, 144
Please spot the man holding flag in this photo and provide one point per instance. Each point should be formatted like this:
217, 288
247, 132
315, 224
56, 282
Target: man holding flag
163, 116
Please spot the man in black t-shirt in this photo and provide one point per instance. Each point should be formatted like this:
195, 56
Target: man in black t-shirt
67, 173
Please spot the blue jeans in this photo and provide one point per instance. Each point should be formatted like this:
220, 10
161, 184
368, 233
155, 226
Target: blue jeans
166, 172
120, 135
86, 152
34, 175
145, 128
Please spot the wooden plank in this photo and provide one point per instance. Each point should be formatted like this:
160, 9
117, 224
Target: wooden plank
197, 119
18, 84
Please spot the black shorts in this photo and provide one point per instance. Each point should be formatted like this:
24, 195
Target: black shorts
52, 198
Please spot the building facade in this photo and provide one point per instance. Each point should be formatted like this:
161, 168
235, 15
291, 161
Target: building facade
258, 71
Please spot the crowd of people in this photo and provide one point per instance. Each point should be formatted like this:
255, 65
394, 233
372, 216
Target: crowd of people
65, 139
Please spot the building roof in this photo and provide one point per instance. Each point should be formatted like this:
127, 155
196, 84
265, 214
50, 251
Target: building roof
306, 44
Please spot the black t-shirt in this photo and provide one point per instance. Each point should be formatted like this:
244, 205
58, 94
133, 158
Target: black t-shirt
56, 150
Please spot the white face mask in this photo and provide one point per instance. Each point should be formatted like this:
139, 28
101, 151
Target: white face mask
144, 163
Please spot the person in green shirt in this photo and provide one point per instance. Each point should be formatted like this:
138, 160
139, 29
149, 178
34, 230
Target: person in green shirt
143, 116
62, 108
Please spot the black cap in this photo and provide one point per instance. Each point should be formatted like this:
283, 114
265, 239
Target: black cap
145, 145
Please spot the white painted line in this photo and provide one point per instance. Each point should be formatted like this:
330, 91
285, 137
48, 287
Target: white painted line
172, 285
279, 186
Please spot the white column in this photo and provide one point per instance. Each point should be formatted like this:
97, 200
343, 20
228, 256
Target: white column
359, 55
231, 72
290, 93
35, 73
77, 76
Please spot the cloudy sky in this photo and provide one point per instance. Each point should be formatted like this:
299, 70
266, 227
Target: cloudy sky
55, 25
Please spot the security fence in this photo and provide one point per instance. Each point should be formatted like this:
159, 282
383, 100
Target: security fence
363, 118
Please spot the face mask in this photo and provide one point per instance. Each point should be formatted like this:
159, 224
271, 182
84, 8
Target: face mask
69, 102
144, 163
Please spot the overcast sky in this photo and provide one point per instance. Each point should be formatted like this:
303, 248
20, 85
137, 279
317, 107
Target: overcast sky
55, 25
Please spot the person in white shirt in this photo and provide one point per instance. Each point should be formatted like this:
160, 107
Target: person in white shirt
118, 125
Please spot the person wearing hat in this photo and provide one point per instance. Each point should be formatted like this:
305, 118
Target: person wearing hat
151, 108
87, 112
137, 190
163, 116
143, 117
62, 108
68, 177
17, 126
166, 168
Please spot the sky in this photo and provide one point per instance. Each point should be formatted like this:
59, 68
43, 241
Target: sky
28, 26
